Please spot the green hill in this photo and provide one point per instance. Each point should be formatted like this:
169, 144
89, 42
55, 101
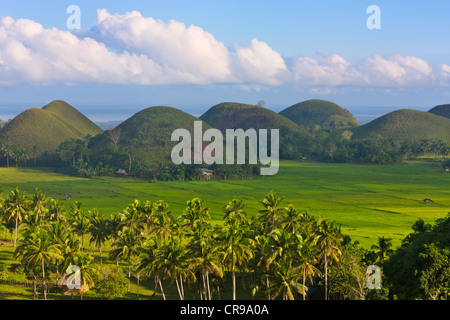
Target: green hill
47, 127
442, 110
146, 136
230, 115
72, 118
406, 124
320, 113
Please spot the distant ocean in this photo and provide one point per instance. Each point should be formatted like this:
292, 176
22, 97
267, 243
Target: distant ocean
110, 117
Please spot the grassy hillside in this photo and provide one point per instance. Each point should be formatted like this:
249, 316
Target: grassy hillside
406, 124
36, 126
147, 134
322, 113
72, 118
442, 110
229, 115
48, 127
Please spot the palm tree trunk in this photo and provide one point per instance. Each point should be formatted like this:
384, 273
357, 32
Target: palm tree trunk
162, 290
234, 282
326, 278
268, 286
178, 288
182, 288
137, 290
304, 282
44, 289
15, 233
129, 275
101, 260
207, 282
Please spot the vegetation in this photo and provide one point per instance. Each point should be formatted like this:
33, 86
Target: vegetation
406, 124
280, 253
320, 114
441, 110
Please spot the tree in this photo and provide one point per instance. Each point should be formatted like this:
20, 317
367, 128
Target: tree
284, 282
307, 259
99, 229
328, 238
16, 206
235, 210
435, 274
236, 248
384, 248
38, 248
126, 247
110, 282
272, 210
87, 268
79, 221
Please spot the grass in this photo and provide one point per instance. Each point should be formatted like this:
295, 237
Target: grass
369, 201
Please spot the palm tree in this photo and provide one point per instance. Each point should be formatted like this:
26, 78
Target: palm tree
306, 260
272, 210
126, 247
205, 260
235, 210
99, 230
329, 239
384, 248
38, 248
175, 262
195, 214
80, 221
291, 219
163, 221
149, 260
133, 217
236, 248
285, 281
56, 210
16, 206
39, 204
84, 261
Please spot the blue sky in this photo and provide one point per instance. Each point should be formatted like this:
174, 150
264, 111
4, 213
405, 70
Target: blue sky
282, 52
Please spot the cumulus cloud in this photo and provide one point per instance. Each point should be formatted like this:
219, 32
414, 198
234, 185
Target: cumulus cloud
132, 49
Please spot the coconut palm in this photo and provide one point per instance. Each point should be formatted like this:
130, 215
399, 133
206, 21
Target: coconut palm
56, 210
174, 258
195, 214
133, 217
163, 222
39, 204
235, 248
384, 248
235, 210
38, 248
284, 282
149, 260
306, 261
87, 268
328, 238
16, 206
206, 260
126, 247
80, 221
99, 230
272, 210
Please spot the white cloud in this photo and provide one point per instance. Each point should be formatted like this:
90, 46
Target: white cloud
132, 49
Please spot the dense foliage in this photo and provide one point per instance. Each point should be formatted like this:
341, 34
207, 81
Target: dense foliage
280, 253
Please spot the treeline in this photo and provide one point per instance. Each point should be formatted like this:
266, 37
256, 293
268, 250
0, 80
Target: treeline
279, 253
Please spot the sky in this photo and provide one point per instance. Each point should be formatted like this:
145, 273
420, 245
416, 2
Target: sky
193, 54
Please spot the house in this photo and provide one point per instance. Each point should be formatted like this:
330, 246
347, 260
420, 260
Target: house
121, 171
207, 172
67, 196
63, 283
447, 169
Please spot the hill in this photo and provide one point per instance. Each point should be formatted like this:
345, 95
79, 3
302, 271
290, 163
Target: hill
47, 127
230, 115
146, 136
406, 124
441, 110
36, 126
320, 113
72, 118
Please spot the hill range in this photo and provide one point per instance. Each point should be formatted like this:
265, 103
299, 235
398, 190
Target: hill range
147, 133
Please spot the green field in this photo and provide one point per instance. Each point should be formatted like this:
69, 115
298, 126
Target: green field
369, 201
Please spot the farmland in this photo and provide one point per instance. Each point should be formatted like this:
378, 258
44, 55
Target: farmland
368, 201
